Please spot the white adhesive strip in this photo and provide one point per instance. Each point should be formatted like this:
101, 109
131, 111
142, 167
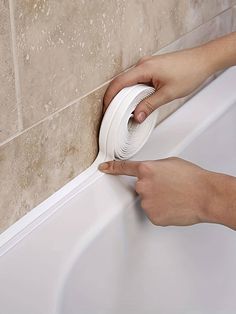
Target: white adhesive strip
120, 138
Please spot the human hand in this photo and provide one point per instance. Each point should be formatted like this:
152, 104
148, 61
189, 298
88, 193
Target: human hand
172, 191
173, 75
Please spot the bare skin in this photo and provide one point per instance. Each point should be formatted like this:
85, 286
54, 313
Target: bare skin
174, 191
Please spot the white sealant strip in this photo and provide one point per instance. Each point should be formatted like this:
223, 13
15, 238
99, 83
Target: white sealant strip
120, 138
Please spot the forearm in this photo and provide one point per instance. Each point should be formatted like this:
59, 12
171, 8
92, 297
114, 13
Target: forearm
220, 53
222, 200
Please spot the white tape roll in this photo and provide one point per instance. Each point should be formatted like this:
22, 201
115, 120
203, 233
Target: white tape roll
120, 136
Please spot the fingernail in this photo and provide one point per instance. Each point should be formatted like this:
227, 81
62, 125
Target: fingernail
103, 166
141, 116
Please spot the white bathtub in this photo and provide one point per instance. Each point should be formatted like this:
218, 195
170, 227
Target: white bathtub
92, 251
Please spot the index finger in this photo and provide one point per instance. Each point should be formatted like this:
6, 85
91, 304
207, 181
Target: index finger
133, 76
121, 167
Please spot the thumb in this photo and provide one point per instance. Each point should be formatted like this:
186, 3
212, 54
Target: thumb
122, 167
151, 103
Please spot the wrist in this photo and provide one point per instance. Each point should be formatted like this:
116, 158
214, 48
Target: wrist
221, 199
220, 53
208, 59
204, 67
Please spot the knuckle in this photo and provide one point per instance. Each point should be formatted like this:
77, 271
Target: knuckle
139, 187
122, 165
150, 214
158, 222
144, 204
153, 220
145, 169
149, 106
161, 223
112, 166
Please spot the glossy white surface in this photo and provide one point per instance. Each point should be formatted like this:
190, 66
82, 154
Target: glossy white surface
98, 254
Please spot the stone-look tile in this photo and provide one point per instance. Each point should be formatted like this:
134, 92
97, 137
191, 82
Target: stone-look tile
68, 48
8, 110
216, 27
157, 23
234, 19
44, 158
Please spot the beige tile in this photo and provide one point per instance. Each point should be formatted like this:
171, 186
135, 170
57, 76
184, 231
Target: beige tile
157, 23
41, 160
8, 110
206, 10
234, 19
68, 48
216, 27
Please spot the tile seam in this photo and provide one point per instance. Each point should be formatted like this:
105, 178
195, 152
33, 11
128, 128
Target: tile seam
16, 67
51, 115
195, 28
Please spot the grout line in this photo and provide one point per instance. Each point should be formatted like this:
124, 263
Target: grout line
88, 93
52, 115
16, 67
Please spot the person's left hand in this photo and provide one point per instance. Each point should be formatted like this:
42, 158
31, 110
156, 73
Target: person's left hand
173, 191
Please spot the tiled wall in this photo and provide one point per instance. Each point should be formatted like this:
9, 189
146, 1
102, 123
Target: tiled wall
56, 57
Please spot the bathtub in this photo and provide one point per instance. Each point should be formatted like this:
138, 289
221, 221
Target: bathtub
89, 248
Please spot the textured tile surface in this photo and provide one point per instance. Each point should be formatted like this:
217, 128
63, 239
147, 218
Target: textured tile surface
216, 27
67, 48
8, 110
40, 161
157, 23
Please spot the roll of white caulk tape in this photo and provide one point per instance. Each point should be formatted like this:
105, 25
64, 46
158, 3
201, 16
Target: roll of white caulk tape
120, 136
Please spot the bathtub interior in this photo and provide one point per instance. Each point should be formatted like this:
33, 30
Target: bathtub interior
135, 267
155, 270
215, 149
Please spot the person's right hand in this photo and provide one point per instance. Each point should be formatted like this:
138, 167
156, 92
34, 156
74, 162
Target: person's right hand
173, 75
176, 192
